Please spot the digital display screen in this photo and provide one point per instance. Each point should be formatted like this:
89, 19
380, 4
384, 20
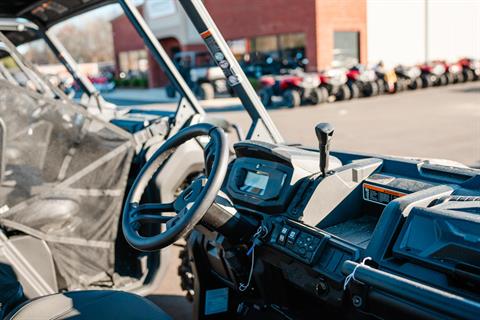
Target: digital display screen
255, 182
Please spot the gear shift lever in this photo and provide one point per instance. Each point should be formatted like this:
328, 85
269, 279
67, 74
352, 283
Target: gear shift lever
324, 133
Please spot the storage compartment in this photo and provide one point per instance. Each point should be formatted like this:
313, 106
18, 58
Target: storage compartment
445, 237
356, 231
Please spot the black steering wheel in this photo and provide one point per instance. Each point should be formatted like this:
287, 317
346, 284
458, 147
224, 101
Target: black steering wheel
190, 206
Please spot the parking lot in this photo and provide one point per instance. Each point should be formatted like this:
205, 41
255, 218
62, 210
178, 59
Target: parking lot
434, 123
441, 122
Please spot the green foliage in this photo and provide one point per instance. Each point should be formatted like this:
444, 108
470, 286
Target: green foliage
255, 83
143, 82
135, 82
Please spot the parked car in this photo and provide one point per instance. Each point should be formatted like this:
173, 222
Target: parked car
201, 73
102, 83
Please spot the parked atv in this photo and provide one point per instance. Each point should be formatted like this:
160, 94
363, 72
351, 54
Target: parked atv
295, 89
470, 69
201, 73
387, 79
455, 73
408, 77
362, 82
433, 74
335, 82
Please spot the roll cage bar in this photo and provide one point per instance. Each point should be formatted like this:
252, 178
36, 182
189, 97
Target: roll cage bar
41, 85
262, 127
7, 24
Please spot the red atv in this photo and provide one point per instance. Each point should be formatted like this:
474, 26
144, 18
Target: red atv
454, 71
362, 82
434, 74
334, 81
295, 89
470, 69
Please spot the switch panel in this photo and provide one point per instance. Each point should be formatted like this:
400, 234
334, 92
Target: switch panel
298, 242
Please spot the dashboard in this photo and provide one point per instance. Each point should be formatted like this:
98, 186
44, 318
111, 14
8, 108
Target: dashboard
385, 208
260, 184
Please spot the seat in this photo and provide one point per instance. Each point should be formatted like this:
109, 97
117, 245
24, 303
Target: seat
92, 305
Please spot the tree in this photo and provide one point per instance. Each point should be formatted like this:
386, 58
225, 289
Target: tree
89, 42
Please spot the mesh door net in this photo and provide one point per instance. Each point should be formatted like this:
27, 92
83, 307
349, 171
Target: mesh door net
65, 174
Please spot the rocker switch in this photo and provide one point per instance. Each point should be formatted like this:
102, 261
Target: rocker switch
292, 235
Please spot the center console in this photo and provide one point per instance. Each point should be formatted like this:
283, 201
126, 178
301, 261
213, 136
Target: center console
297, 240
310, 258
416, 222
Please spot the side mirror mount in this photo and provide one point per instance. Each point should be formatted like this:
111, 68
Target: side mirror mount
3, 141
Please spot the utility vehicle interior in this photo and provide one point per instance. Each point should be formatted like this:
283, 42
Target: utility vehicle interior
65, 168
287, 232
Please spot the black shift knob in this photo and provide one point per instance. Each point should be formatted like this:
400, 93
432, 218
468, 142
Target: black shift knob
324, 132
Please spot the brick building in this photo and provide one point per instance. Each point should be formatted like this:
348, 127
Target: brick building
324, 32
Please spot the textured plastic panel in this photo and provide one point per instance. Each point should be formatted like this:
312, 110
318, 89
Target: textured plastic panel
444, 239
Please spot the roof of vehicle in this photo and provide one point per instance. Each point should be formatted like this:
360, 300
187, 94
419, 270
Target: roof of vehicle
43, 13
46, 13
18, 38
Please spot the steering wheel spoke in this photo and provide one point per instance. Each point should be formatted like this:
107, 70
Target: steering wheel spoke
138, 220
136, 208
172, 222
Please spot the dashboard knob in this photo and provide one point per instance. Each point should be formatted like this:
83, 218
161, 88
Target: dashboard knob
321, 288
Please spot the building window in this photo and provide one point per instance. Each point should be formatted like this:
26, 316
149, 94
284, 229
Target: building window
265, 44
239, 47
275, 53
346, 51
292, 49
292, 40
133, 61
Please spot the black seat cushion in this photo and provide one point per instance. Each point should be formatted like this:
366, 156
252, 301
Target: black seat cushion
89, 305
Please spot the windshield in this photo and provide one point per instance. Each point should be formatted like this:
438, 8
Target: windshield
404, 120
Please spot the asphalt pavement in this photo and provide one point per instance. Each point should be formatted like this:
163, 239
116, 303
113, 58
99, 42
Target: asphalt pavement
441, 122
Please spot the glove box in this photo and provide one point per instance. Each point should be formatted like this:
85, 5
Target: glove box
443, 237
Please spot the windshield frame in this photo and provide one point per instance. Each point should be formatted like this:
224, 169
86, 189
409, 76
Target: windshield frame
262, 126
41, 83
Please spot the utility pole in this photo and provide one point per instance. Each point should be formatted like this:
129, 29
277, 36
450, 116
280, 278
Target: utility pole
427, 55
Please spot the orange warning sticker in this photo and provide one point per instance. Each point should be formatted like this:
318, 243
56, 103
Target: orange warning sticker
206, 34
379, 194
